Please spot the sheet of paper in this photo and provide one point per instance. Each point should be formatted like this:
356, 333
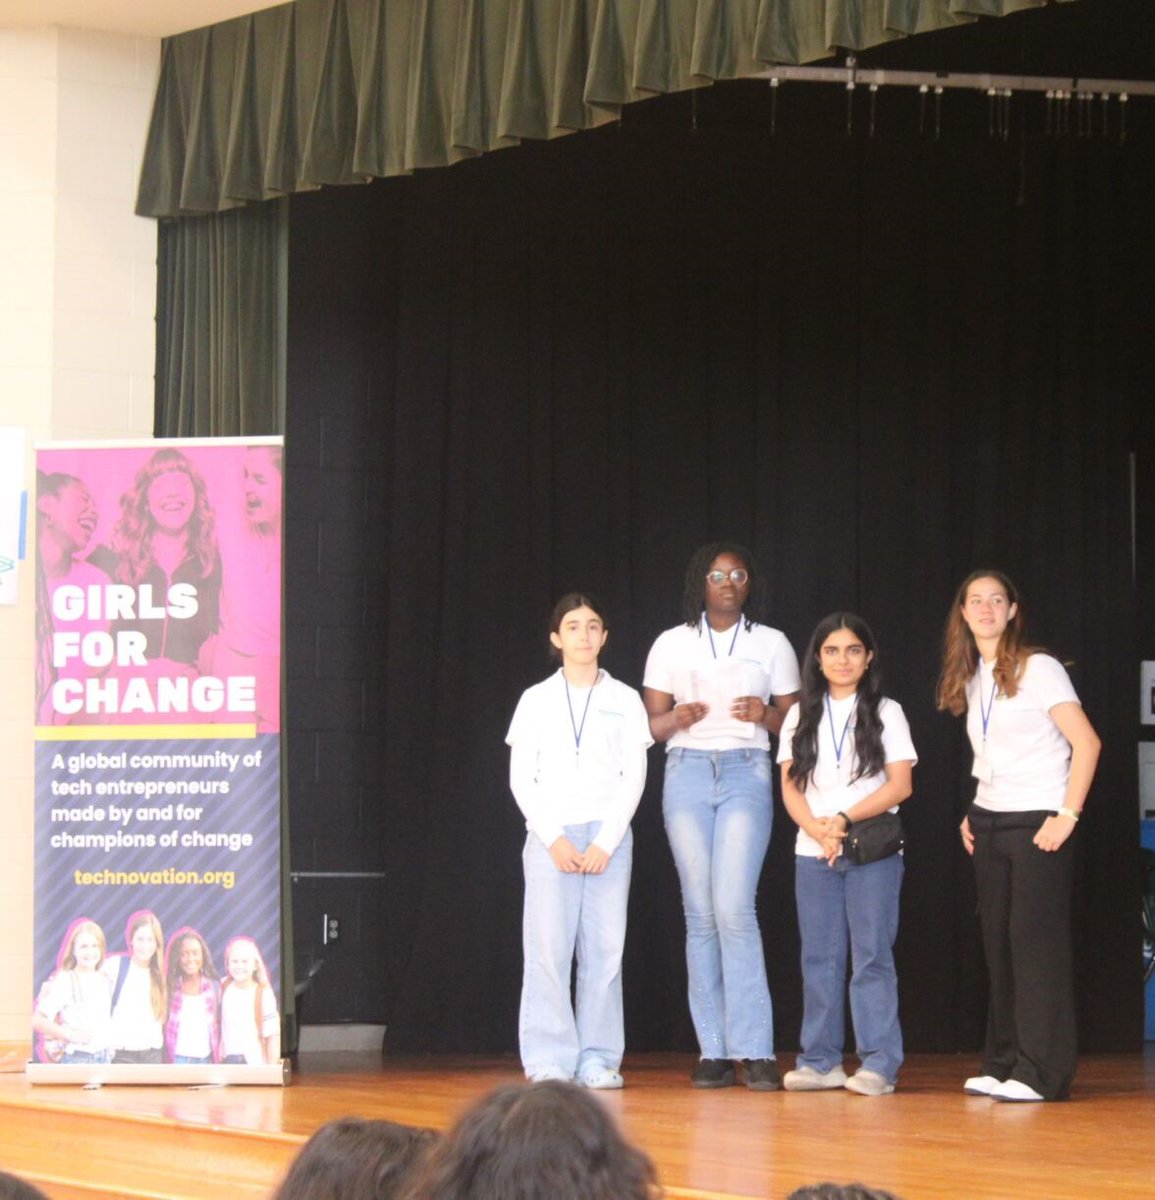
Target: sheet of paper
718, 687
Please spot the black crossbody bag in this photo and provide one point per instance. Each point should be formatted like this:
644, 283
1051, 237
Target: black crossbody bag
876, 837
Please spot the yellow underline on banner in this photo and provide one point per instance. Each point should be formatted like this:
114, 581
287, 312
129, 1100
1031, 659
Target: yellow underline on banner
139, 733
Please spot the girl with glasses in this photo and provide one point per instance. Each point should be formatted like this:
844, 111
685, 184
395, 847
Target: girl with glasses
1035, 754
577, 769
716, 687
846, 756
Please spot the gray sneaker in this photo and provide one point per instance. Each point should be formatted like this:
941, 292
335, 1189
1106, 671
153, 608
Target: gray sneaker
807, 1079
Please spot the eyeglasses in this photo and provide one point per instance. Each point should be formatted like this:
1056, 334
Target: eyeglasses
737, 577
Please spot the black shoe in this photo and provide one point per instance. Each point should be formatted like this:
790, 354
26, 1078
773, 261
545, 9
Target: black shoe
761, 1074
713, 1073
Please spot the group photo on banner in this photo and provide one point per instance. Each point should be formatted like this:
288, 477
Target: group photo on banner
157, 887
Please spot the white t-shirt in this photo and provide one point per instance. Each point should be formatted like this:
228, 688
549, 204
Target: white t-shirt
830, 789
554, 783
698, 663
134, 1025
1029, 760
193, 1034
80, 999
240, 1033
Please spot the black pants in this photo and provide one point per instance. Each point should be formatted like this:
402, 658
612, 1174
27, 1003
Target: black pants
138, 1056
1025, 912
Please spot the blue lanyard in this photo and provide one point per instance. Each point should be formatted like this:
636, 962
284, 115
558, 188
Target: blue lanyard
733, 640
985, 712
578, 729
838, 742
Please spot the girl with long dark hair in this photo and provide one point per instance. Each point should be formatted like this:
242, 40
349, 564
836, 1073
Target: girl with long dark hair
1035, 754
846, 756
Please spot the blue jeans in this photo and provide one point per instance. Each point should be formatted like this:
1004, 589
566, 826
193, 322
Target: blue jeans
84, 1056
718, 811
566, 915
849, 910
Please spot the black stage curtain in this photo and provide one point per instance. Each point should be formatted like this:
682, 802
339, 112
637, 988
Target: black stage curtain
879, 361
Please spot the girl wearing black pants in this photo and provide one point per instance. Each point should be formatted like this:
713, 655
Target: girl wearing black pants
1034, 757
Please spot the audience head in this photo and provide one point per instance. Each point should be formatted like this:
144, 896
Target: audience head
354, 1159
12, 1187
542, 1141
839, 1191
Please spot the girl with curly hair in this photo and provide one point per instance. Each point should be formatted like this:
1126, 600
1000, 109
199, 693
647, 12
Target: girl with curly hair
192, 1031
716, 687
165, 537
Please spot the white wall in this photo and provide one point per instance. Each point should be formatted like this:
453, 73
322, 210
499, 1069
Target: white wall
77, 339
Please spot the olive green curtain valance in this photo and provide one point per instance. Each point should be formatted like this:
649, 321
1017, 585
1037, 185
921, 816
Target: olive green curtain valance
341, 91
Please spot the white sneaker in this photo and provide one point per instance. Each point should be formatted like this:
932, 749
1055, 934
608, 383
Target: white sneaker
807, 1079
868, 1083
545, 1074
601, 1078
981, 1085
1015, 1092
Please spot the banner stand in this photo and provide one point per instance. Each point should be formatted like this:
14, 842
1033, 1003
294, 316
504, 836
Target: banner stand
158, 885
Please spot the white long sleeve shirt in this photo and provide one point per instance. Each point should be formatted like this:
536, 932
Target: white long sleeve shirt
578, 755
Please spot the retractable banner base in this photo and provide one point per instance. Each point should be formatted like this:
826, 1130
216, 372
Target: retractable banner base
167, 1074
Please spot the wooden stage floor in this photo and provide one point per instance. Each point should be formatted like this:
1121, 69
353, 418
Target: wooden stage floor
926, 1140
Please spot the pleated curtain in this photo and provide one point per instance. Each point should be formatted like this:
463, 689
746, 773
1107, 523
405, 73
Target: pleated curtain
342, 91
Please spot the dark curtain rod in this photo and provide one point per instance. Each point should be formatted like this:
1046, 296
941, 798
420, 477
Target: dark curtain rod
1057, 87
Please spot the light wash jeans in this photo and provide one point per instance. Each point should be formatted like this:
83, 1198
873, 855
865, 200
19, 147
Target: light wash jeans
851, 911
718, 811
566, 915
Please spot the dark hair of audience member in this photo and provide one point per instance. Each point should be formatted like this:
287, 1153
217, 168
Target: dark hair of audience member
12, 1187
542, 1141
355, 1159
839, 1191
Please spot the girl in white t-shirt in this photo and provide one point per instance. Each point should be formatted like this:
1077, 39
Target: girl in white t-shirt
577, 769
715, 688
1035, 754
250, 1023
846, 756
72, 1010
139, 996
